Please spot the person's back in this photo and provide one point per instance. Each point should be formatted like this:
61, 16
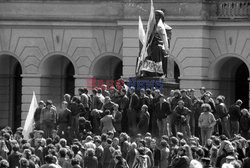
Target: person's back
107, 123
14, 158
91, 162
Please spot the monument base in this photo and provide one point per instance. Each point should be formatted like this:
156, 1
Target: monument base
165, 85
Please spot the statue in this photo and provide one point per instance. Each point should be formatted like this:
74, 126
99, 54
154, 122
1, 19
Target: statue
155, 63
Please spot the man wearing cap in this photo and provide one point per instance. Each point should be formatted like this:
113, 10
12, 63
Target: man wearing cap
48, 118
37, 114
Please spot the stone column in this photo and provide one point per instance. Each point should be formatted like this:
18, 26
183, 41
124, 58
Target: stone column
30, 83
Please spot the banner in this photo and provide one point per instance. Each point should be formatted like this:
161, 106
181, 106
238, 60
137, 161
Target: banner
152, 66
141, 35
28, 126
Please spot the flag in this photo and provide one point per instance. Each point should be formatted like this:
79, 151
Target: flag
148, 36
28, 126
141, 35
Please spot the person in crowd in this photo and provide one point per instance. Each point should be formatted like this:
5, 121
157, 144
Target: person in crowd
98, 100
164, 153
162, 110
144, 99
108, 105
64, 121
222, 112
90, 160
37, 114
186, 98
107, 122
117, 115
85, 100
235, 114
123, 105
76, 109
245, 123
143, 123
133, 111
48, 118
206, 123
180, 120
67, 98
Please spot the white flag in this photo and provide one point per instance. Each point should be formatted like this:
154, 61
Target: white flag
28, 126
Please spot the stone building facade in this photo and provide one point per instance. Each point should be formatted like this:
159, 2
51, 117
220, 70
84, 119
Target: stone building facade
52, 47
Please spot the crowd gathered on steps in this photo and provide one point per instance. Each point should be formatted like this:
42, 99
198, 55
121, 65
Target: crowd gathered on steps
126, 128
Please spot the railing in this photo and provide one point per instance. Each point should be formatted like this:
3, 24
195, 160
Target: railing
233, 9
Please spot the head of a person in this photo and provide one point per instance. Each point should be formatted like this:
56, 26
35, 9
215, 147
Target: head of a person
107, 99
144, 108
239, 102
157, 93
27, 153
159, 14
183, 92
164, 144
181, 103
142, 92
244, 111
63, 152
41, 104
75, 162
220, 99
90, 152
203, 90
116, 141
106, 112
177, 93
4, 163
67, 97
206, 107
123, 92
131, 90
116, 106
80, 91
64, 104
195, 164
63, 142
49, 104
23, 162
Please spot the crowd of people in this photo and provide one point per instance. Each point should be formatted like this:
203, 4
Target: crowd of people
127, 128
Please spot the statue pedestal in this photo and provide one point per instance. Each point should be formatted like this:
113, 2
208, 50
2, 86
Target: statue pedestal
165, 85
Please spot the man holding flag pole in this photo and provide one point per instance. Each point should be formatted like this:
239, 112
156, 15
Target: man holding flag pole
153, 55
